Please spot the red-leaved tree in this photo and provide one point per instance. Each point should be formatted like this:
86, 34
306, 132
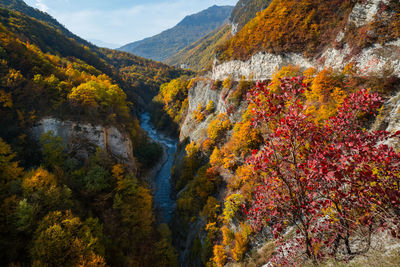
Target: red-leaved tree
333, 183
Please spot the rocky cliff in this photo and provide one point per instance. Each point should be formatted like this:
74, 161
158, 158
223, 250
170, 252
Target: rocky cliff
79, 136
200, 94
375, 58
378, 61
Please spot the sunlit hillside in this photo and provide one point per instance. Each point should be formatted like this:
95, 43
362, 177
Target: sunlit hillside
268, 136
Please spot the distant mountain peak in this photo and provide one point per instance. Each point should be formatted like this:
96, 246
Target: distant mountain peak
190, 29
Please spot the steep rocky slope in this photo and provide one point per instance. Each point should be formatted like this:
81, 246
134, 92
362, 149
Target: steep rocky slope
356, 46
374, 50
79, 137
244, 11
73, 158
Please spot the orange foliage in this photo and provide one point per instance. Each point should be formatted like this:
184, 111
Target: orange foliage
217, 128
216, 158
243, 180
219, 255
244, 139
326, 95
288, 26
198, 114
227, 235
241, 241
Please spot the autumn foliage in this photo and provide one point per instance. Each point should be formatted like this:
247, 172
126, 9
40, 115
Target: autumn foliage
330, 181
56, 207
288, 26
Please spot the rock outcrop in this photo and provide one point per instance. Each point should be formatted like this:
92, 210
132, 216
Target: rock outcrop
375, 59
378, 59
200, 94
364, 13
389, 119
372, 60
76, 136
259, 67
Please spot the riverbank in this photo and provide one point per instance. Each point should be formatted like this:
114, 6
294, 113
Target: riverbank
160, 175
150, 175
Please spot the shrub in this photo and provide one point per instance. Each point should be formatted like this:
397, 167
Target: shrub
216, 85
334, 180
220, 257
232, 205
217, 128
210, 107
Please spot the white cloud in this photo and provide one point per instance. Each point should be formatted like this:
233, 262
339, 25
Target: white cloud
126, 20
41, 6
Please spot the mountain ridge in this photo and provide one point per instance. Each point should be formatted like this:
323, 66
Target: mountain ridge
187, 31
139, 77
199, 55
21, 6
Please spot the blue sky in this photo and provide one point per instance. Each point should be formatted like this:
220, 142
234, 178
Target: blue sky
121, 21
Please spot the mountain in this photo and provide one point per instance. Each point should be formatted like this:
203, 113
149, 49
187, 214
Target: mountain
21, 6
309, 28
296, 68
200, 54
244, 11
139, 77
189, 30
72, 153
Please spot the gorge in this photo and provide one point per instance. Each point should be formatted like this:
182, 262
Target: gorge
162, 196
280, 148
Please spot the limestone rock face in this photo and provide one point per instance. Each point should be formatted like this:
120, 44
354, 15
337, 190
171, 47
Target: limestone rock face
375, 59
234, 27
393, 119
363, 13
76, 135
202, 94
372, 60
389, 119
260, 66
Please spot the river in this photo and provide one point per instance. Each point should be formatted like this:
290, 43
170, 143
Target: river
162, 199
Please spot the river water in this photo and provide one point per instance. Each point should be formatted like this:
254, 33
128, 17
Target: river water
162, 199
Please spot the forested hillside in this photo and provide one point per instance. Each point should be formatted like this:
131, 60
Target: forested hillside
21, 6
190, 29
200, 55
246, 10
139, 77
283, 149
66, 201
289, 152
307, 27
